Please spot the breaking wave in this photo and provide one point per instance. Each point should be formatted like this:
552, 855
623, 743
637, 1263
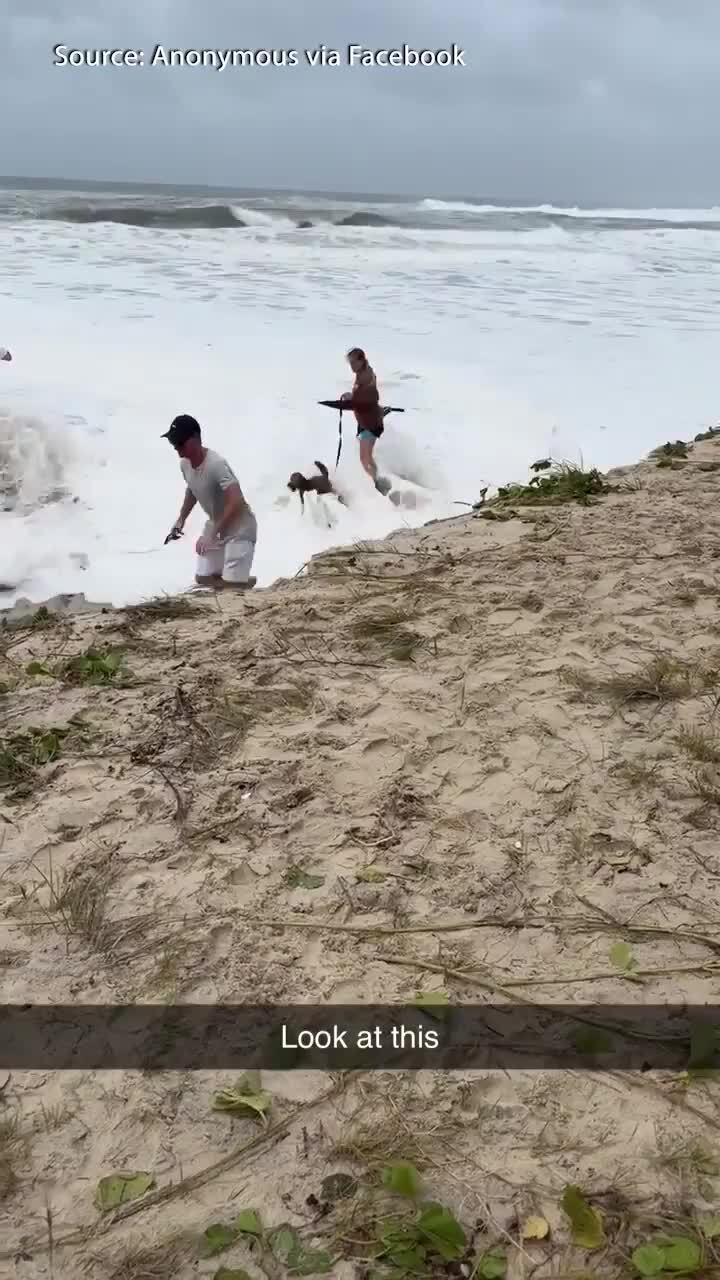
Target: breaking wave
207, 216
199, 217
365, 219
246, 217
280, 212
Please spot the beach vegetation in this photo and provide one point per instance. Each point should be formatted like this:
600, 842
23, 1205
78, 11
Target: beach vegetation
296, 878
382, 1134
142, 1261
700, 743
23, 756
661, 679
75, 902
245, 1098
13, 1151
54, 1117
671, 450
41, 620
239, 709
388, 631
638, 772
705, 783
93, 667
272, 1247
165, 609
120, 1188
563, 482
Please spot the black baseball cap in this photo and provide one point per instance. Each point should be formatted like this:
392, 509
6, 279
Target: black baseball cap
182, 429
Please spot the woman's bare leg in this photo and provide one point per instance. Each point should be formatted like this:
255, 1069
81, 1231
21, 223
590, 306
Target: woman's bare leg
367, 460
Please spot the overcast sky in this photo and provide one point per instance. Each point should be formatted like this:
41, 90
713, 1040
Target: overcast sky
595, 101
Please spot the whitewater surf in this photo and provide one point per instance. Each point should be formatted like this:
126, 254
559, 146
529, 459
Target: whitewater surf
507, 332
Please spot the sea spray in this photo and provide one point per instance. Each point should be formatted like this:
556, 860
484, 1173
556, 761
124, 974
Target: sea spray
34, 458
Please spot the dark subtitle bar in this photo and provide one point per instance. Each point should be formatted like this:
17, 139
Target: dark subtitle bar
358, 1037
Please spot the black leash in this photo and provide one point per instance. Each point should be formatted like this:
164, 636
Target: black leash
340, 440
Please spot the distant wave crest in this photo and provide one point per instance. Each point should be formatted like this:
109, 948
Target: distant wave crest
206, 216
520, 216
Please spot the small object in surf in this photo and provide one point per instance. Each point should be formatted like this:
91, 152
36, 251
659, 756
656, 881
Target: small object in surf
5, 354
173, 535
300, 484
543, 465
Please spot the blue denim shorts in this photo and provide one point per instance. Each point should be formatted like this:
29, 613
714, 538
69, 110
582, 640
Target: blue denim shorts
367, 435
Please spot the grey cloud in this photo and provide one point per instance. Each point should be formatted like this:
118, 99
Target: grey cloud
591, 100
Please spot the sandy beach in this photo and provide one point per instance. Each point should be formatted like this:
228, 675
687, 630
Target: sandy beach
474, 759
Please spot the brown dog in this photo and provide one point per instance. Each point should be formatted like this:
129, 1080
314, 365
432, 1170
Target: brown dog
301, 484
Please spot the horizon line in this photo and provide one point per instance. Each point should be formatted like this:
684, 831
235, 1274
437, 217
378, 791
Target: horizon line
134, 184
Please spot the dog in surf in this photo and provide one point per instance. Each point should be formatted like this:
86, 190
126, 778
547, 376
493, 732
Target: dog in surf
321, 484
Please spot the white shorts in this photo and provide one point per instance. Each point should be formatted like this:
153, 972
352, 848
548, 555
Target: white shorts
233, 560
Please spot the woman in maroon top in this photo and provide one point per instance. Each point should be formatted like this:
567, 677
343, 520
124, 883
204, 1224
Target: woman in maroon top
364, 401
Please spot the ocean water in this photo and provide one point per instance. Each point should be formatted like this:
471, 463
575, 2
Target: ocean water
506, 334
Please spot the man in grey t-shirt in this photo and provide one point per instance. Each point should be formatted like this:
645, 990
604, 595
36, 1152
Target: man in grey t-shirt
226, 547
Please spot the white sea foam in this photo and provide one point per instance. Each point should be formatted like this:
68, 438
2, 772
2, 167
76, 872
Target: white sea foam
257, 218
501, 348
575, 211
